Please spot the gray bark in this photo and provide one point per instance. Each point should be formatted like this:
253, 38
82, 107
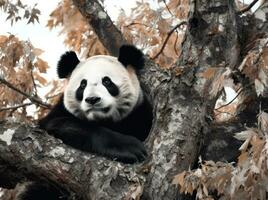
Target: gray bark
183, 106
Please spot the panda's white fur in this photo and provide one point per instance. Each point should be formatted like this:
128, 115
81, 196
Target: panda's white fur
93, 70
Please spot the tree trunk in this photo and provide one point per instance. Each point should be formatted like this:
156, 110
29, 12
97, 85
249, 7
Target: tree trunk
183, 99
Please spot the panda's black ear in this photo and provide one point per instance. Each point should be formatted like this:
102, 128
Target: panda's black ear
67, 64
130, 55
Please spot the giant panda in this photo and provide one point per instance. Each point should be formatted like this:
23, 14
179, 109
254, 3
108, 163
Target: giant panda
103, 109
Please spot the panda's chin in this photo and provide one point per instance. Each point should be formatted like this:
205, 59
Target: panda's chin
99, 109
96, 113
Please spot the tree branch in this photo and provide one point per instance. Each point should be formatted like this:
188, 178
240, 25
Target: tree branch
15, 107
167, 38
108, 34
30, 97
239, 92
247, 8
168, 8
136, 23
40, 156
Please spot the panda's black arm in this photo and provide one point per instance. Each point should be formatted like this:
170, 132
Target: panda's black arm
95, 139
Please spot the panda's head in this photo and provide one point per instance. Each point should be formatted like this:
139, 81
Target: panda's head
102, 87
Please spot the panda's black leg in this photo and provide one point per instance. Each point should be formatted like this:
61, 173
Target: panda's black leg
97, 140
120, 147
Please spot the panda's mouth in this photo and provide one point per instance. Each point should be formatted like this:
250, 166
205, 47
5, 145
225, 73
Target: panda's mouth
96, 109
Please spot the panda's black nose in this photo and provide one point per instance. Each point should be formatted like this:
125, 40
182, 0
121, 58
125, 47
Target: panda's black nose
92, 100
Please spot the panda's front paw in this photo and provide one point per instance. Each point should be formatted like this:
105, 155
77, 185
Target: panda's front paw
128, 149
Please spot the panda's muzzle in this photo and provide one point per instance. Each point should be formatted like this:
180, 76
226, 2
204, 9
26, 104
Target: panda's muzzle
92, 100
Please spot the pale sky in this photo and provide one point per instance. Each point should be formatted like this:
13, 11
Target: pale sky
52, 43
49, 40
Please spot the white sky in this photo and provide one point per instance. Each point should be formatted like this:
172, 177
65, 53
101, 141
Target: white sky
49, 40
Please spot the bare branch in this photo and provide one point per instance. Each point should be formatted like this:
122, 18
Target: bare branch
34, 84
175, 43
108, 34
136, 23
15, 107
240, 91
53, 96
248, 7
33, 99
168, 8
167, 38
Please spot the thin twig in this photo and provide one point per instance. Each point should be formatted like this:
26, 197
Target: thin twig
168, 8
16, 107
172, 15
30, 97
175, 43
248, 7
240, 91
53, 96
221, 112
136, 23
167, 38
34, 84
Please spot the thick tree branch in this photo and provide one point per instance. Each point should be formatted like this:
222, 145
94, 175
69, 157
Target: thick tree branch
108, 34
37, 154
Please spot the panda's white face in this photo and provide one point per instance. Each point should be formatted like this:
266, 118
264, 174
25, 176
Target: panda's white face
102, 88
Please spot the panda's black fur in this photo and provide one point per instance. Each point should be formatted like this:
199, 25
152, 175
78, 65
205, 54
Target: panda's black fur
118, 140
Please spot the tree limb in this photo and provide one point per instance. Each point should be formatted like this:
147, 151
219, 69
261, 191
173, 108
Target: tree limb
248, 7
167, 38
33, 99
15, 107
98, 19
37, 154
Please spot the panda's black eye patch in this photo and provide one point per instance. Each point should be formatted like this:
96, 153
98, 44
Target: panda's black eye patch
80, 90
83, 84
110, 86
106, 81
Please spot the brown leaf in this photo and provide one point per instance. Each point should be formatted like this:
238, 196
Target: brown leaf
209, 73
179, 179
242, 158
163, 26
40, 79
41, 65
263, 122
37, 51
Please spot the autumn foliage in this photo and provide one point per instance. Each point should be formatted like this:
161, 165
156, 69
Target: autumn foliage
159, 31
246, 179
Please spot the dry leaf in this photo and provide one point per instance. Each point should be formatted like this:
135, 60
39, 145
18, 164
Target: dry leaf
179, 179
209, 73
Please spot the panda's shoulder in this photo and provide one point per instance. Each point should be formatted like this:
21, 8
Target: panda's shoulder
58, 111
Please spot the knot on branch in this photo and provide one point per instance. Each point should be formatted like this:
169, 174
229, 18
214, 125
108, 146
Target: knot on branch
197, 25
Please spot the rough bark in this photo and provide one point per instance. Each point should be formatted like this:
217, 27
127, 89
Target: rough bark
98, 19
182, 102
